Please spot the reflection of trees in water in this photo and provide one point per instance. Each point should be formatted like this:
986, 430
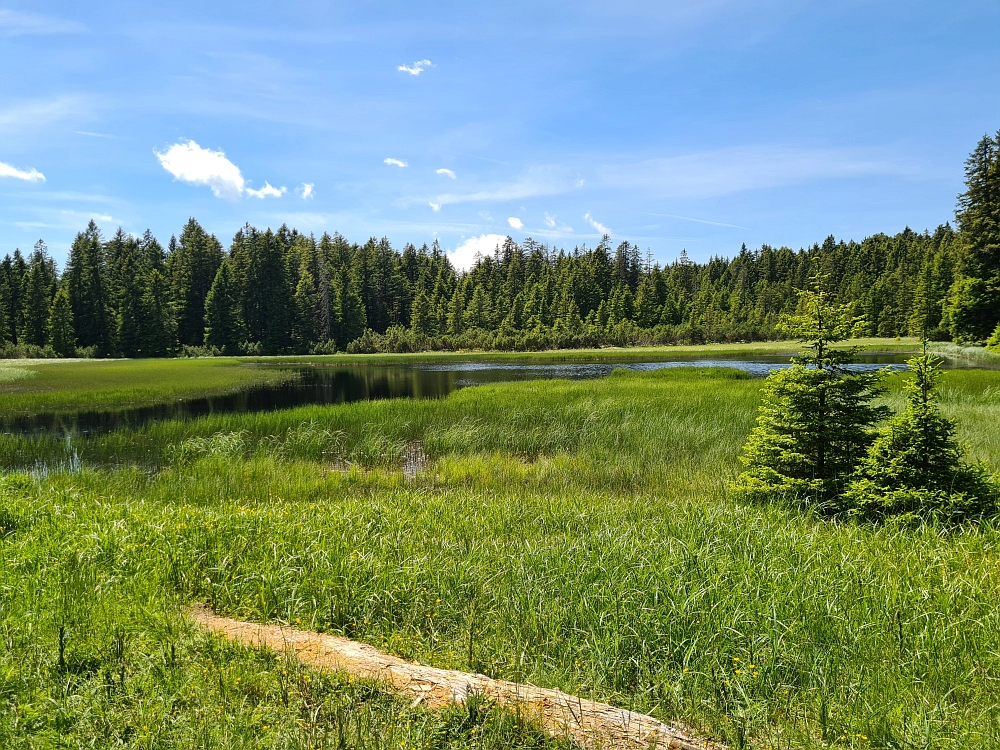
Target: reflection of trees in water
340, 385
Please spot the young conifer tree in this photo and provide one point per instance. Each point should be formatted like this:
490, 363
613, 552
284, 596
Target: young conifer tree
916, 465
817, 419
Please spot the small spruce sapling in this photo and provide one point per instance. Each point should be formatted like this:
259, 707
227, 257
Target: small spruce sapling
817, 419
916, 465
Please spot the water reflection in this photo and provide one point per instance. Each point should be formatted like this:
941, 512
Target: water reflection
332, 384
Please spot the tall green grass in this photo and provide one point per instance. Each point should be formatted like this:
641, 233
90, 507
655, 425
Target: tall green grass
575, 535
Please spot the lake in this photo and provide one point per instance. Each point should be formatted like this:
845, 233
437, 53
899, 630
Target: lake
339, 384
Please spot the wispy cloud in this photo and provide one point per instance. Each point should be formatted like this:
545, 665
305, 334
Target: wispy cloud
597, 226
32, 116
710, 174
446, 172
395, 162
417, 68
91, 134
189, 162
535, 182
435, 207
16, 23
28, 175
306, 192
552, 223
701, 221
515, 223
268, 191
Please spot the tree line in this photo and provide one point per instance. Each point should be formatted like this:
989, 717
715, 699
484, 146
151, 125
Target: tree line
277, 292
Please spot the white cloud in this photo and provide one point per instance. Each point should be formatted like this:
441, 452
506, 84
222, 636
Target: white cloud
417, 68
435, 207
268, 191
306, 192
33, 116
189, 162
395, 162
550, 222
464, 256
702, 221
486, 216
515, 223
15, 23
28, 175
446, 172
598, 226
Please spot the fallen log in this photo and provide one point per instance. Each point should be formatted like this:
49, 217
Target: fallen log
588, 723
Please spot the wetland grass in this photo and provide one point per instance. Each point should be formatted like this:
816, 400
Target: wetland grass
573, 535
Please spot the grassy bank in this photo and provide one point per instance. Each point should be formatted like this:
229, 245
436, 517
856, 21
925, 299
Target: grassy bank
574, 535
52, 385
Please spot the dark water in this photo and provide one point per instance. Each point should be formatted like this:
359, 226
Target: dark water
331, 384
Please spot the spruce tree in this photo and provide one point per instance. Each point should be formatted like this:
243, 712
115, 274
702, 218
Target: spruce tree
192, 264
88, 292
159, 326
975, 299
916, 465
222, 324
60, 324
39, 287
815, 424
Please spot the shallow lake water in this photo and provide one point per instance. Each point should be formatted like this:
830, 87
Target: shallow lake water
339, 384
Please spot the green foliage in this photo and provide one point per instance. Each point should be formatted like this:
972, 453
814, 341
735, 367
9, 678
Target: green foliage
60, 325
816, 420
222, 322
916, 467
576, 532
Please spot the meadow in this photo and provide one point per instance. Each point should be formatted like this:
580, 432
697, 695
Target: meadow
570, 534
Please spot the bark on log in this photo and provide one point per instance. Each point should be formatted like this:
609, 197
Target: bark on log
588, 723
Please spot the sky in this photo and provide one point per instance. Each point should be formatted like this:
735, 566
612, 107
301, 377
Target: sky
673, 125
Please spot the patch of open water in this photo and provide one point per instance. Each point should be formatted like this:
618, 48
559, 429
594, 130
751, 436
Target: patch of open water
339, 384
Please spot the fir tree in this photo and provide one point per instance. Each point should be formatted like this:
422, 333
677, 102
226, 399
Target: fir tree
60, 324
88, 292
39, 287
222, 325
816, 421
916, 464
160, 337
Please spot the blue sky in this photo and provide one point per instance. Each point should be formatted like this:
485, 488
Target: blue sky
671, 124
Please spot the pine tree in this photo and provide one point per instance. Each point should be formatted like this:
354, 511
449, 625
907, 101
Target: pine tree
975, 303
308, 319
222, 324
130, 334
160, 337
422, 320
192, 265
39, 287
88, 292
916, 465
816, 421
60, 324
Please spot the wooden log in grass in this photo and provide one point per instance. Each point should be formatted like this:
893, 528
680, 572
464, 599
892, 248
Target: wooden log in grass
588, 723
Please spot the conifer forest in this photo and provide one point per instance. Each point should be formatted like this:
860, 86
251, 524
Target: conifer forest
280, 291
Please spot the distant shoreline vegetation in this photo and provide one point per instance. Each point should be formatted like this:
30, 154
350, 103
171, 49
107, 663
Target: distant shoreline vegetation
282, 292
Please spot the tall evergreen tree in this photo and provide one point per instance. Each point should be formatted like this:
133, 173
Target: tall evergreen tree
975, 303
192, 265
87, 291
39, 287
159, 326
223, 327
60, 324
